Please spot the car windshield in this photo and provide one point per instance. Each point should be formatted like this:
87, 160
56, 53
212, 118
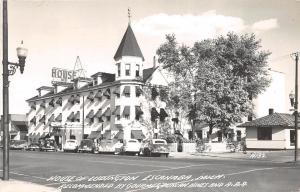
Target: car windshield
159, 142
86, 142
18, 142
70, 141
131, 141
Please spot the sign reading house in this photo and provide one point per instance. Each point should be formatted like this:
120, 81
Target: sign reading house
62, 75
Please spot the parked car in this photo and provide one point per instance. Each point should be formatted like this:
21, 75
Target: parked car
71, 145
48, 145
132, 146
155, 147
33, 147
18, 144
87, 145
106, 146
119, 148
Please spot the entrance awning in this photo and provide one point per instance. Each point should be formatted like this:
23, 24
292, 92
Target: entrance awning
94, 135
119, 135
137, 134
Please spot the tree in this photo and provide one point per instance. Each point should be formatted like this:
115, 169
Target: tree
216, 79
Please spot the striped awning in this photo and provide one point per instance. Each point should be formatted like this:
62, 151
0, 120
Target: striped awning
107, 112
43, 119
71, 117
71, 99
126, 110
51, 103
98, 95
99, 113
59, 101
117, 91
77, 99
33, 120
119, 135
94, 135
51, 118
138, 91
32, 105
107, 93
91, 96
77, 116
117, 110
126, 90
91, 114
58, 118
137, 134
43, 104
138, 111
107, 134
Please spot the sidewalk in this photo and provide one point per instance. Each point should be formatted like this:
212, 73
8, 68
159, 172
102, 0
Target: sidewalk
16, 186
272, 156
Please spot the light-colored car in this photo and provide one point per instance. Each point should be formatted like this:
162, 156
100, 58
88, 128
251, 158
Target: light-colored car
132, 146
71, 145
18, 144
155, 147
106, 146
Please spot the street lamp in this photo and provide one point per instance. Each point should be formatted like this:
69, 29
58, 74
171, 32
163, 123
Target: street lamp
22, 54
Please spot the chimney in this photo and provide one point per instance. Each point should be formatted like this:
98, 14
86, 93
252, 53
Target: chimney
154, 62
271, 111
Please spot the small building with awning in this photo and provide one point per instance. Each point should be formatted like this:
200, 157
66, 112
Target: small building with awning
274, 131
18, 129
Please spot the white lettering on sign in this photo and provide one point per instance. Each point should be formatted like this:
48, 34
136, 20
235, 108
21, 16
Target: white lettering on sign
63, 75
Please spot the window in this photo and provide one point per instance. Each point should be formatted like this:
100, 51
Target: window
199, 134
292, 137
127, 69
238, 135
137, 71
264, 133
119, 69
219, 133
118, 117
127, 116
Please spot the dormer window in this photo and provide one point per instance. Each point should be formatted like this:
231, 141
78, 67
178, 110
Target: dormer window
137, 70
119, 69
127, 69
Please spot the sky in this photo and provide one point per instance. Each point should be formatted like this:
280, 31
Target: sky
57, 31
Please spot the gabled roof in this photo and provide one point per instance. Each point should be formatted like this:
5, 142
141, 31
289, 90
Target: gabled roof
128, 46
147, 73
273, 120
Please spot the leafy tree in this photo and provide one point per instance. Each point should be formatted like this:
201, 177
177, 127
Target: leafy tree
216, 79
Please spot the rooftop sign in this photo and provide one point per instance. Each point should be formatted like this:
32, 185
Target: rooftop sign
62, 75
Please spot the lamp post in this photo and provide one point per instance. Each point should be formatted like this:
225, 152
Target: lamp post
22, 54
295, 103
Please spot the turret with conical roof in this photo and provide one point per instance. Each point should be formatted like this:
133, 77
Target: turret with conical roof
129, 58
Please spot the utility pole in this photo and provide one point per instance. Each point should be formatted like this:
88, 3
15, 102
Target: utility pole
83, 117
296, 55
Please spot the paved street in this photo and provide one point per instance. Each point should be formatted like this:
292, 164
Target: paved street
103, 172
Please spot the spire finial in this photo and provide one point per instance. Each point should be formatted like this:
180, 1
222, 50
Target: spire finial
129, 15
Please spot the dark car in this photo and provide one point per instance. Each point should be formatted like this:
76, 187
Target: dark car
33, 147
87, 145
155, 147
48, 145
18, 144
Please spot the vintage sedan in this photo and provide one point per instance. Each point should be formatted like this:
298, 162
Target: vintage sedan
71, 145
48, 145
87, 145
132, 146
155, 147
18, 144
33, 147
